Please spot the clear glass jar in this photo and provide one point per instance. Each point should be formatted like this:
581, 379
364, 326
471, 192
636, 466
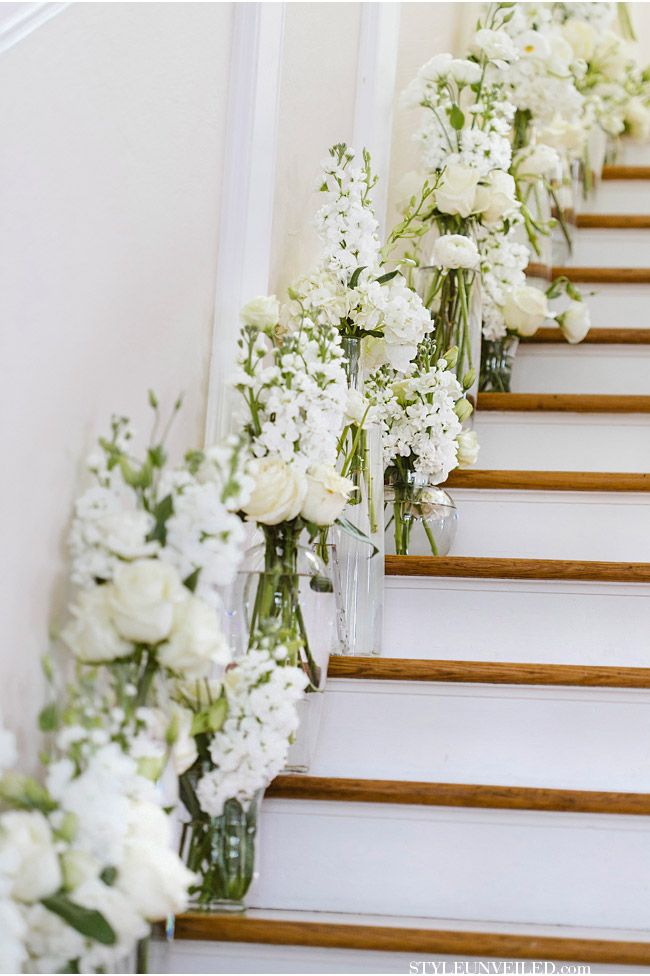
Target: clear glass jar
563, 211
497, 360
221, 852
421, 518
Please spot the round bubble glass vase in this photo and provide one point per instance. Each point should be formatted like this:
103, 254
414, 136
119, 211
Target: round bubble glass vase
421, 518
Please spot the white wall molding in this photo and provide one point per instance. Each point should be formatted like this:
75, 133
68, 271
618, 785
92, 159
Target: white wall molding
17, 20
246, 216
376, 73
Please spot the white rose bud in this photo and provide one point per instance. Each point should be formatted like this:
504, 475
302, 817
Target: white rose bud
143, 598
525, 309
497, 198
455, 251
196, 642
183, 744
468, 448
456, 193
91, 634
279, 491
496, 45
261, 312
575, 322
26, 838
327, 495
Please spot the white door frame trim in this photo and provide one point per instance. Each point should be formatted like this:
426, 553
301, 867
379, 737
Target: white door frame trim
246, 214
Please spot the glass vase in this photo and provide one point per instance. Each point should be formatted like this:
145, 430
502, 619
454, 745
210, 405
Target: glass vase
421, 518
454, 298
563, 212
360, 553
221, 852
497, 359
536, 230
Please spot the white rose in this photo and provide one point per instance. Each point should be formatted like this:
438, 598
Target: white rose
261, 312
455, 251
327, 495
637, 119
91, 634
26, 837
497, 198
151, 874
464, 72
468, 448
125, 533
183, 750
196, 641
496, 45
582, 38
562, 134
575, 322
535, 162
456, 193
143, 597
278, 493
525, 309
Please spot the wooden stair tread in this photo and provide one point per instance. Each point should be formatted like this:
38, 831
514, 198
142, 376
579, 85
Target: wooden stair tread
626, 172
591, 274
608, 337
415, 937
608, 221
486, 567
470, 795
565, 402
486, 672
509, 480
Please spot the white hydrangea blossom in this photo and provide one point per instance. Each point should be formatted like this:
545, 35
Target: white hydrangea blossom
251, 747
419, 419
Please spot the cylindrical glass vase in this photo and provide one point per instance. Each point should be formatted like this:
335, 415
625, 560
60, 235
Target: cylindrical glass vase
360, 545
563, 212
221, 852
421, 518
497, 359
535, 232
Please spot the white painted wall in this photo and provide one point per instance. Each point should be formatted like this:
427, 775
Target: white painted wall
112, 121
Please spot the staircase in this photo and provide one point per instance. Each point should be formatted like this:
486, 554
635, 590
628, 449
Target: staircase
483, 791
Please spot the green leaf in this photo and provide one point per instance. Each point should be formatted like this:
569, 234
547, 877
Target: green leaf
86, 921
356, 533
48, 719
456, 117
161, 513
108, 876
192, 580
157, 456
387, 277
211, 719
356, 274
153, 399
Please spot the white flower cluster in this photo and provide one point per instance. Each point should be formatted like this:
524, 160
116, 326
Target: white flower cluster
503, 267
251, 747
421, 416
100, 843
349, 290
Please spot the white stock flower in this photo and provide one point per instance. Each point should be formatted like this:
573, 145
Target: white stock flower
455, 251
279, 491
196, 642
536, 161
261, 312
456, 193
14, 932
436, 67
91, 633
125, 534
327, 495
464, 72
468, 448
560, 133
581, 36
143, 597
27, 837
575, 322
498, 198
525, 309
496, 45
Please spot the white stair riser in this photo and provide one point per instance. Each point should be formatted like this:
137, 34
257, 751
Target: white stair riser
611, 247
241, 957
616, 306
581, 369
548, 525
496, 865
531, 621
619, 196
629, 152
564, 441
569, 738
